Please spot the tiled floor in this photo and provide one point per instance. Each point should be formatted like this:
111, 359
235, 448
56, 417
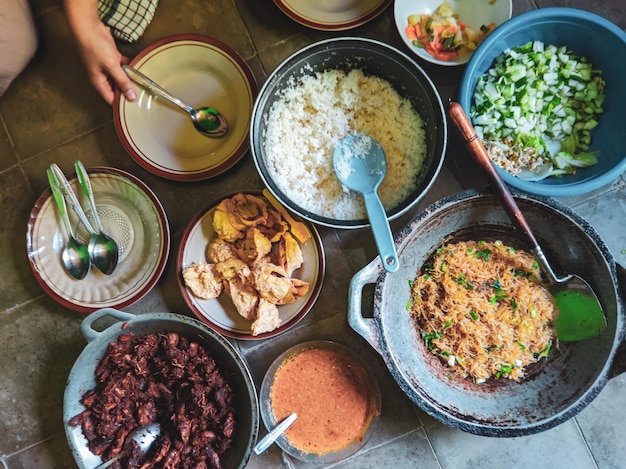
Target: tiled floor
51, 114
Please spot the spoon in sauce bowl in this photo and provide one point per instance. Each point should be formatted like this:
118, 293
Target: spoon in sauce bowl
207, 120
273, 435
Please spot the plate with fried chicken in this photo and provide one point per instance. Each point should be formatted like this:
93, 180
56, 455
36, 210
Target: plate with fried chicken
247, 268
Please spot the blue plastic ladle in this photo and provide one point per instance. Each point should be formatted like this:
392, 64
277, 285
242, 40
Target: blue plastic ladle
360, 165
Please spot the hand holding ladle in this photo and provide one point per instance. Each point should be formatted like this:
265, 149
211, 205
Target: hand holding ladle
207, 120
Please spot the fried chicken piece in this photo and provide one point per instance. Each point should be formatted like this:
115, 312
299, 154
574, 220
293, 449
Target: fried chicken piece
244, 296
203, 280
254, 247
267, 318
271, 281
274, 227
233, 268
290, 255
298, 289
219, 250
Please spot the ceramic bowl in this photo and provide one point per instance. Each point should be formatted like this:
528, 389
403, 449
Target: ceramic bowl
332, 15
587, 35
131, 213
220, 313
200, 71
474, 13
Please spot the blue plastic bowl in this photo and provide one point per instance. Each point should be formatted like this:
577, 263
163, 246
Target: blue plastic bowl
585, 34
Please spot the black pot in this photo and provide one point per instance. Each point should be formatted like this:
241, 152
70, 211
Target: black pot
82, 376
374, 58
553, 390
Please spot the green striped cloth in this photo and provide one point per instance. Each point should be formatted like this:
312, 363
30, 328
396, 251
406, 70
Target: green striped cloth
127, 19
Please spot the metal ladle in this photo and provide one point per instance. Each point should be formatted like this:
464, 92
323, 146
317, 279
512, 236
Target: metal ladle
144, 437
75, 255
580, 313
207, 120
360, 165
104, 254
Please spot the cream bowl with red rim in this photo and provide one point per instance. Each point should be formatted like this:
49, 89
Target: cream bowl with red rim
220, 313
336, 383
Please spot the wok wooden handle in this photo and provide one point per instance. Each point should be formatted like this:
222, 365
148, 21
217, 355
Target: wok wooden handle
479, 153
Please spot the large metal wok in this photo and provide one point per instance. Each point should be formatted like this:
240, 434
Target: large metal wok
105, 325
554, 390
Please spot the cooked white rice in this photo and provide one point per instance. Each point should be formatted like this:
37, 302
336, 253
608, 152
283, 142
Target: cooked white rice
305, 123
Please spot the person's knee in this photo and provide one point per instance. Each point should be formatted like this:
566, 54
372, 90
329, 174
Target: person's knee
18, 42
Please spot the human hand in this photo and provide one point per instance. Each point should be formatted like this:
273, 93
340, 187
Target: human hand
103, 63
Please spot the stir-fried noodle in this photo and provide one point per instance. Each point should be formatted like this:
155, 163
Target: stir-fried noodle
481, 307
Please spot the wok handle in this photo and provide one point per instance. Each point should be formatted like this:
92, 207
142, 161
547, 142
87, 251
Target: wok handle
90, 333
365, 327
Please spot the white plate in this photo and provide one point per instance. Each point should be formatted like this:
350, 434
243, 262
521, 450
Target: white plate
332, 15
220, 313
474, 13
131, 214
201, 71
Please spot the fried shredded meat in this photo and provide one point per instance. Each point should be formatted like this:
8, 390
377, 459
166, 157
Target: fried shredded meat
482, 309
164, 378
253, 257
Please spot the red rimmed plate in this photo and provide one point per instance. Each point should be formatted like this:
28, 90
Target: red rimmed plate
332, 15
131, 213
220, 313
201, 71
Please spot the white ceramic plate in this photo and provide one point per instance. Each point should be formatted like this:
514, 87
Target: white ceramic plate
332, 15
220, 313
474, 13
131, 214
201, 71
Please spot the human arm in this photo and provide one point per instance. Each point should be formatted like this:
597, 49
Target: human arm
98, 51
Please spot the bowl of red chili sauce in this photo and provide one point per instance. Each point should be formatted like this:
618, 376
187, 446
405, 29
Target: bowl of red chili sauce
334, 394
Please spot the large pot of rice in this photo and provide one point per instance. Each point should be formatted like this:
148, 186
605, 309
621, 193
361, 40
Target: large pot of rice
335, 88
563, 379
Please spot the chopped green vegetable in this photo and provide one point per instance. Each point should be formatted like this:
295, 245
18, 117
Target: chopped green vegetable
483, 254
542, 102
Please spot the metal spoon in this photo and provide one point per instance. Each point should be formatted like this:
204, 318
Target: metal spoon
99, 257
143, 437
75, 255
273, 435
580, 312
360, 165
103, 249
207, 120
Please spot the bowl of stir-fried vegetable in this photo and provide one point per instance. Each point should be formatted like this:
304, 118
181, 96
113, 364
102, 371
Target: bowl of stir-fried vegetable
544, 92
447, 32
